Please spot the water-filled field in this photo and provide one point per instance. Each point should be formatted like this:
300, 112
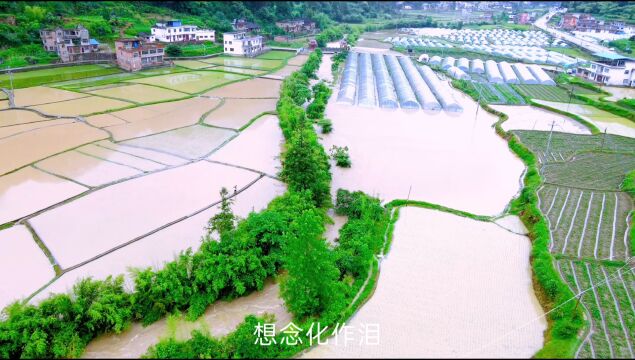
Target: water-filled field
240, 62
139, 93
191, 82
466, 295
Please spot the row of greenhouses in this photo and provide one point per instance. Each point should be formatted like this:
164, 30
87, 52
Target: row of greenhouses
411, 41
392, 82
498, 37
526, 54
502, 72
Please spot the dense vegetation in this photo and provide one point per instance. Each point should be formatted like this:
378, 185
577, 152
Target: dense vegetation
605, 10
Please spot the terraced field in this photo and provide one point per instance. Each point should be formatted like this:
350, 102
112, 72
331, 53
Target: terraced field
589, 220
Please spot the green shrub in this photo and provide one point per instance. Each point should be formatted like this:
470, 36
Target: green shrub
173, 50
340, 155
326, 124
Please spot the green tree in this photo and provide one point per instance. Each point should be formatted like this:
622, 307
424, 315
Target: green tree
311, 286
173, 50
223, 222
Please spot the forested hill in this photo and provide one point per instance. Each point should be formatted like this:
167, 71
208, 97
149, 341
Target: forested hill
20, 21
605, 10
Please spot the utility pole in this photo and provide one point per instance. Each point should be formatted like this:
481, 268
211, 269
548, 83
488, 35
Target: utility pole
603, 139
549, 140
570, 96
11, 79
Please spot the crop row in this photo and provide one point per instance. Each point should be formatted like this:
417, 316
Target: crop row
569, 144
606, 293
602, 171
545, 92
511, 97
587, 224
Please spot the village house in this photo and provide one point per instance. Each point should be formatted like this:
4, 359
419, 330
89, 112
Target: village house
241, 44
523, 18
175, 31
569, 22
297, 26
68, 43
134, 54
244, 25
611, 69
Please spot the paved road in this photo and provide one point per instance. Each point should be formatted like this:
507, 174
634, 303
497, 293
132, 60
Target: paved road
541, 23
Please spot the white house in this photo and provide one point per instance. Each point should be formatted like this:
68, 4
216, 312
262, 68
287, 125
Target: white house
611, 69
241, 44
174, 31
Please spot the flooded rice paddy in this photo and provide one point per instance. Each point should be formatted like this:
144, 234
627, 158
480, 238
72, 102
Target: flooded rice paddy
19, 254
613, 124
43, 95
192, 142
191, 82
139, 93
82, 229
82, 106
263, 138
239, 70
236, 113
249, 89
240, 62
468, 294
533, 118
193, 64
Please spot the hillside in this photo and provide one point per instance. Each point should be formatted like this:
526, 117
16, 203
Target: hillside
604, 10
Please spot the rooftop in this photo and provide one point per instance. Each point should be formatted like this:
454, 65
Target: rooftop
612, 56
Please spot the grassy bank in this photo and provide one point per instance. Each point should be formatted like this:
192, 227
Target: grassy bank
46, 76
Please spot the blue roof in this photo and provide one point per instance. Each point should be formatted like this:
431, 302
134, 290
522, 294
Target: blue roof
94, 42
611, 56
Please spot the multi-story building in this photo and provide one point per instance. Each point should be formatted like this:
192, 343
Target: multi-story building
523, 18
134, 55
296, 26
569, 22
175, 31
241, 44
611, 69
68, 43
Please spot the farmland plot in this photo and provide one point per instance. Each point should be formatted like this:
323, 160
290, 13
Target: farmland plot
82, 229
191, 82
23, 266
532, 118
139, 93
82, 106
545, 92
43, 95
240, 62
250, 89
192, 142
601, 171
236, 113
609, 306
586, 223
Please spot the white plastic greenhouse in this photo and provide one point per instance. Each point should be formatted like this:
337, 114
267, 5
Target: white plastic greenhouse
365, 82
477, 66
349, 80
407, 98
540, 75
435, 60
386, 96
508, 73
524, 75
493, 75
463, 64
440, 89
426, 98
447, 62
457, 73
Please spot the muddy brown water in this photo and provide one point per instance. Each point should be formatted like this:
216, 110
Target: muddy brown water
468, 293
220, 319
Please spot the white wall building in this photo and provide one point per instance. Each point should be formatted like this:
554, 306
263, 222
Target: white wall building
613, 69
174, 31
241, 44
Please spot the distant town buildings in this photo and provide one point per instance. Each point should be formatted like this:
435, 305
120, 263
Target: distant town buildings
241, 44
297, 26
135, 54
68, 43
611, 69
244, 25
587, 23
175, 31
523, 18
